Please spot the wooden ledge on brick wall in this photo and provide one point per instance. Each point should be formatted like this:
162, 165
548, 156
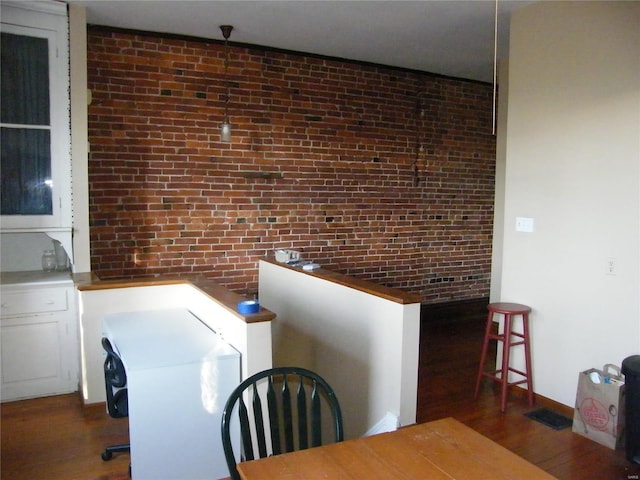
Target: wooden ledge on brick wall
382, 291
266, 175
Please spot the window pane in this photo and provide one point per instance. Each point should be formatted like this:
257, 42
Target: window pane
25, 172
24, 86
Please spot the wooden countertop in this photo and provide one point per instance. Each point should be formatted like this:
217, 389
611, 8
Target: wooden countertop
229, 300
388, 293
215, 291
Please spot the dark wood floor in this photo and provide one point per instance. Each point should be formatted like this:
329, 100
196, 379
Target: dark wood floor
450, 341
55, 438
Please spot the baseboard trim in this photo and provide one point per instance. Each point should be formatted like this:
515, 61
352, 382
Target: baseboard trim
541, 401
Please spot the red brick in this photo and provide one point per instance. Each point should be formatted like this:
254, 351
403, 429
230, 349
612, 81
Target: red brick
166, 196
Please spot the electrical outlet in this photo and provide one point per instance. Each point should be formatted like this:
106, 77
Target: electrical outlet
611, 266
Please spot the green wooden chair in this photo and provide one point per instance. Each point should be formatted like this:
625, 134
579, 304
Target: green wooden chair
284, 415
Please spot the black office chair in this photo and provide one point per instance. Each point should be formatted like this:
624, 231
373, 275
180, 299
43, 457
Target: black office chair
115, 380
275, 387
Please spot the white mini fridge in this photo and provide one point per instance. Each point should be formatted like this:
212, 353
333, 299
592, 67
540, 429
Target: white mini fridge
179, 376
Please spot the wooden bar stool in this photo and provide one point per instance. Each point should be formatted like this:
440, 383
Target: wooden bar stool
501, 375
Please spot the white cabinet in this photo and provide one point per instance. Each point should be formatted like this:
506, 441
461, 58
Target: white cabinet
38, 340
35, 140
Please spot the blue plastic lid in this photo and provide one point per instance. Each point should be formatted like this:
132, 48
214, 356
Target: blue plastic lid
248, 306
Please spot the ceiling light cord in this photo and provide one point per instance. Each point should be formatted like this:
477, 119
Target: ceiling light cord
225, 128
495, 68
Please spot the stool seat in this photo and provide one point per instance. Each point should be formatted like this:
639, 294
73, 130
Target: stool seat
508, 308
501, 375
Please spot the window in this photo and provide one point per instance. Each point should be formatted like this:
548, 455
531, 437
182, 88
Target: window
25, 138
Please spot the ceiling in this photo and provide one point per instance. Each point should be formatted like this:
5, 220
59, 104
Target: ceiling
447, 37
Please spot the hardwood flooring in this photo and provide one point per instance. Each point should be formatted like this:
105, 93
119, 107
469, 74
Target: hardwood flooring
56, 438
451, 341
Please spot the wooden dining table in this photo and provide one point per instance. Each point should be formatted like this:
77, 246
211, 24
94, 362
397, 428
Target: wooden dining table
443, 449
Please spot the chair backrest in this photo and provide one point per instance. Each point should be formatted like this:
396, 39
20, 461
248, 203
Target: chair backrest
115, 382
270, 416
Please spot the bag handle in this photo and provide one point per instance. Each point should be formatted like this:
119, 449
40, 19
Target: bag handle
610, 366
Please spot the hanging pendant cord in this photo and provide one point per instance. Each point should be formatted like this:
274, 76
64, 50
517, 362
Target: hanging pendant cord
495, 66
226, 33
226, 78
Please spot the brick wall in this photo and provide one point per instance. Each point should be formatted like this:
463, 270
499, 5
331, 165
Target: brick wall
379, 173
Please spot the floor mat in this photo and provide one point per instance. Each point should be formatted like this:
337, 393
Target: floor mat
550, 418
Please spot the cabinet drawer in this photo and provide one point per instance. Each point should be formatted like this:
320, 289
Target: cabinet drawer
34, 301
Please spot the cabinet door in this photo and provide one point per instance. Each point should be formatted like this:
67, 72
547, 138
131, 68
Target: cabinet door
34, 117
39, 352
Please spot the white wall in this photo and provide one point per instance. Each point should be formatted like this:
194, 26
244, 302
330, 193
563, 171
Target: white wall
498, 203
364, 345
572, 164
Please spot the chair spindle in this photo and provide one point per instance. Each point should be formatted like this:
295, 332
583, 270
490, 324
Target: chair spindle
303, 442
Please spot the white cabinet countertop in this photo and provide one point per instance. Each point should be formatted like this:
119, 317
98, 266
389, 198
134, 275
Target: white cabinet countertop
158, 338
36, 277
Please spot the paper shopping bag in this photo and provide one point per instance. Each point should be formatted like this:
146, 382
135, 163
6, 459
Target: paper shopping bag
599, 411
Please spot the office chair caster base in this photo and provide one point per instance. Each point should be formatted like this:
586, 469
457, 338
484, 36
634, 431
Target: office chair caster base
108, 452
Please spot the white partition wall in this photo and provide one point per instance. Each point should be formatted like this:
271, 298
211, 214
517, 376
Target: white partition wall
364, 345
252, 340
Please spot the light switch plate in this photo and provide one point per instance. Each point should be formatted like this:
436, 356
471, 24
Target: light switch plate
524, 224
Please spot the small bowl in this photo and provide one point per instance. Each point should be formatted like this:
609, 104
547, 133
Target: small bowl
248, 306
